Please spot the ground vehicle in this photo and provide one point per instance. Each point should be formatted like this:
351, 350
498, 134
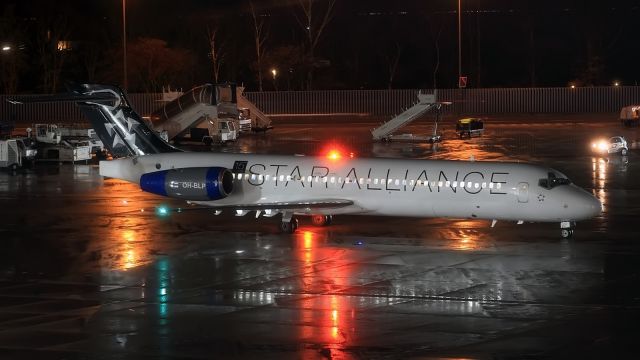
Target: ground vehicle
226, 132
66, 151
630, 115
244, 120
48, 133
12, 151
469, 127
30, 150
615, 144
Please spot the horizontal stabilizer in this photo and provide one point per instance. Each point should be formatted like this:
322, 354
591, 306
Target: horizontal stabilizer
66, 97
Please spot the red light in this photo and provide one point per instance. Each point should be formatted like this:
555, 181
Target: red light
335, 151
334, 155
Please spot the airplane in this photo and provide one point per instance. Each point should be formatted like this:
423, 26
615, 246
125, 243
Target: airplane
324, 186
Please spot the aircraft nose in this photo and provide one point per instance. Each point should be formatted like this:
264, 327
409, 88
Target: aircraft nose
590, 206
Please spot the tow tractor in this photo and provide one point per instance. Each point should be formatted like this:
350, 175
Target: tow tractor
469, 127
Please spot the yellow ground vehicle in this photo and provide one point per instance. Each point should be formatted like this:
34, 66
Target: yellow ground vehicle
469, 127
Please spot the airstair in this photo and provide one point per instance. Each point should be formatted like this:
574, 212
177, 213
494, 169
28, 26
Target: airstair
187, 111
425, 103
260, 121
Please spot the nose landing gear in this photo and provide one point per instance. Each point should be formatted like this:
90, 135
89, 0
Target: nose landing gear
566, 229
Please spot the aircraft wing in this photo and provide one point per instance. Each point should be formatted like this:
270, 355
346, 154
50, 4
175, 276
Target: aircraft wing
278, 206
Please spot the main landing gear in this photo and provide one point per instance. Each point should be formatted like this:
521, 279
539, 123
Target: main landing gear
289, 227
321, 220
566, 229
289, 223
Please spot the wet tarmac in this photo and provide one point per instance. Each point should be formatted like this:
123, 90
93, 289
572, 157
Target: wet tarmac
88, 270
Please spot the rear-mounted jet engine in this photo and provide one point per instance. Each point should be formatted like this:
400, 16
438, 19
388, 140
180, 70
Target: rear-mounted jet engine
196, 184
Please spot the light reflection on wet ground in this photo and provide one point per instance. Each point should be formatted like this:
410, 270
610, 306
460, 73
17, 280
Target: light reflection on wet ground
84, 272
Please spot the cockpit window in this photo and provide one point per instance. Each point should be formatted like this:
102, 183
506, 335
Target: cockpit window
552, 181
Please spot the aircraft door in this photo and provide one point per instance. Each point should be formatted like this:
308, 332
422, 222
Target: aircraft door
523, 192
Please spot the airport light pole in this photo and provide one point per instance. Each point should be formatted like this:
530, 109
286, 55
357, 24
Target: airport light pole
274, 72
124, 44
459, 41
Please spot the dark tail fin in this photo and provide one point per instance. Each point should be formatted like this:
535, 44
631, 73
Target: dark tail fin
121, 130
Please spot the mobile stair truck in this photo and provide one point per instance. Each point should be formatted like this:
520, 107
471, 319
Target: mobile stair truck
204, 114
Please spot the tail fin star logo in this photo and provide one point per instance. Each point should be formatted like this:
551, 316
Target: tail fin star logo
127, 125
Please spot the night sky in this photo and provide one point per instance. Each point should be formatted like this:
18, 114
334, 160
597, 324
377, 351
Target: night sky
504, 43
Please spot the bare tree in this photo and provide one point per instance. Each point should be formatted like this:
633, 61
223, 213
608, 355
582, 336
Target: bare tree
153, 64
393, 59
9, 73
53, 45
436, 45
12, 61
260, 36
313, 26
216, 51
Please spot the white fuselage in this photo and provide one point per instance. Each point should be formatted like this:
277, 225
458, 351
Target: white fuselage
377, 186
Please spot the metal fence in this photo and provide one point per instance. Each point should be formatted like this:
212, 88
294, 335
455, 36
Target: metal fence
375, 102
463, 101
63, 112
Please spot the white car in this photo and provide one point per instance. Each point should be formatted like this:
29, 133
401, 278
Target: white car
615, 144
